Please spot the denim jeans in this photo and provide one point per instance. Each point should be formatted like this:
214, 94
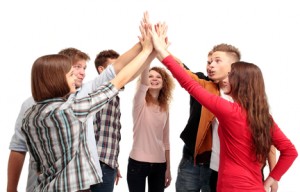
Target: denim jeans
137, 172
192, 178
109, 175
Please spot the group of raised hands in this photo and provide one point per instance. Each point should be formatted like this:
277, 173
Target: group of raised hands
154, 37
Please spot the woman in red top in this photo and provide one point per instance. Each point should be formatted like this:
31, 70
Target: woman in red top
246, 128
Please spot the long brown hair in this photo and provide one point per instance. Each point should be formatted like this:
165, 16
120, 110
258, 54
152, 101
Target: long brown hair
165, 94
48, 77
248, 89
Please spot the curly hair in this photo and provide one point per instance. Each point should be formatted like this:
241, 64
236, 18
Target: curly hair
165, 94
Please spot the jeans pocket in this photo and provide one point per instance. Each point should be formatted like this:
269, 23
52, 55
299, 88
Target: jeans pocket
134, 168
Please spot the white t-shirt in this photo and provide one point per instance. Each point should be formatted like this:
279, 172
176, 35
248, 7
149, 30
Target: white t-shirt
215, 154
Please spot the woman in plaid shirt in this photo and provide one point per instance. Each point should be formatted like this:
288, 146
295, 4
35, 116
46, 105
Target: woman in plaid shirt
55, 127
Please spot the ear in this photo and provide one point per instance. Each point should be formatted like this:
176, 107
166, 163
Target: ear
100, 69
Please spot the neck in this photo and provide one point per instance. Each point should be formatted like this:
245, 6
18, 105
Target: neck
221, 85
154, 94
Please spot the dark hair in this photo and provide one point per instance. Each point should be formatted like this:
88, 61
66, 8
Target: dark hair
248, 89
165, 94
74, 54
48, 77
103, 56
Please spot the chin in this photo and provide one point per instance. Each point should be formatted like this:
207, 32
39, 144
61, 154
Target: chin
73, 90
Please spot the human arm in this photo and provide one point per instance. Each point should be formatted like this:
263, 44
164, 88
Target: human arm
145, 72
145, 76
97, 99
272, 158
217, 105
272, 163
288, 153
286, 158
14, 169
168, 177
126, 57
18, 149
129, 55
118, 176
166, 140
132, 69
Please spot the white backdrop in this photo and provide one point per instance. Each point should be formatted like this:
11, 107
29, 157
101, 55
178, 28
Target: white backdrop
266, 32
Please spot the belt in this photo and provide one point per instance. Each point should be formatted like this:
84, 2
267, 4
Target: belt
191, 158
201, 159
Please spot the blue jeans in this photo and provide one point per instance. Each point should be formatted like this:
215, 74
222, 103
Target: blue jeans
109, 175
137, 172
192, 178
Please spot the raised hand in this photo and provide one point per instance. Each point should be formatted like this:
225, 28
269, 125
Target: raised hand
146, 37
161, 30
146, 19
159, 40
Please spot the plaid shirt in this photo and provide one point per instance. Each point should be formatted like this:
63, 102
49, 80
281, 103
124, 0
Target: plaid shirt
107, 128
56, 139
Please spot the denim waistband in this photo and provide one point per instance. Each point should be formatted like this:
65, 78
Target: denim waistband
200, 159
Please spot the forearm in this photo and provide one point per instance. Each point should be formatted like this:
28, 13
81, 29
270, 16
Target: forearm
144, 71
145, 76
167, 153
161, 54
15, 165
179, 61
130, 70
127, 57
272, 158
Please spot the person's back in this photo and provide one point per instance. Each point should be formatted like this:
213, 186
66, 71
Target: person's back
55, 128
55, 121
239, 169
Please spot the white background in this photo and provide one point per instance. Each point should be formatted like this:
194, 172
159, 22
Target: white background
266, 32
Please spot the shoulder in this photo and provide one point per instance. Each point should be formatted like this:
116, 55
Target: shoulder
201, 76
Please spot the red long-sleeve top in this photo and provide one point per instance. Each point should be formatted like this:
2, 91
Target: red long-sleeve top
239, 170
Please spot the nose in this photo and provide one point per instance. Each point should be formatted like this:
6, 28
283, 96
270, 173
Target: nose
212, 64
82, 71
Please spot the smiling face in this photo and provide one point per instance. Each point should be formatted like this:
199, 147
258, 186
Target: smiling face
155, 80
